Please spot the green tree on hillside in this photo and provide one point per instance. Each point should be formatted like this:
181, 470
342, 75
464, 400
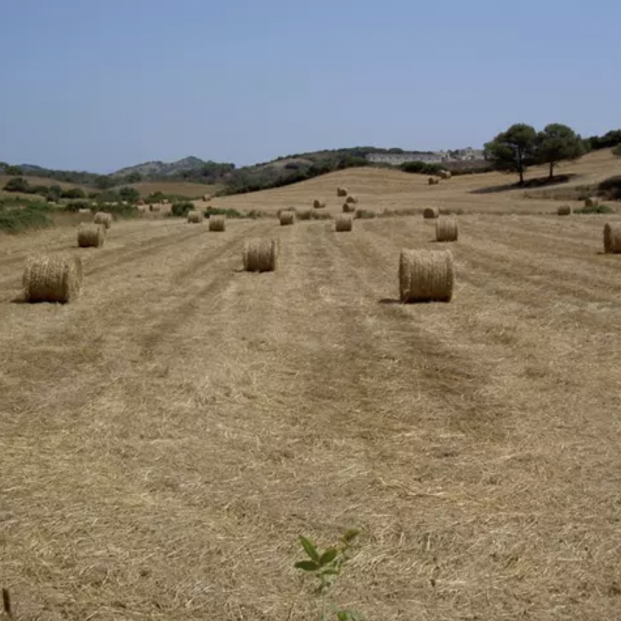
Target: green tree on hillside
131, 195
557, 143
514, 150
14, 171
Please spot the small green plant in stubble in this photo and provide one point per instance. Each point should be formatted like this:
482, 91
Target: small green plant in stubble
327, 566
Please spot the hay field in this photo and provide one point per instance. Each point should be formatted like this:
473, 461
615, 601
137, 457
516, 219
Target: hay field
175, 188
380, 188
165, 438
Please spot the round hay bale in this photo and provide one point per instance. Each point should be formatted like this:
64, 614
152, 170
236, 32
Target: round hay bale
446, 230
564, 210
352, 200
343, 224
217, 223
154, 208
165, 201
207, 198
592, 201
91, 235
348, 208
84, 212
430, 213
101, 217
426, 276
195, 217
341, 192
140, 202
317, 204
445, 174
432, 181
260, 255
52, 278
612, 238
287, 218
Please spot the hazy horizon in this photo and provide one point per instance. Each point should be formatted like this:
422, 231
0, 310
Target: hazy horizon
111, 85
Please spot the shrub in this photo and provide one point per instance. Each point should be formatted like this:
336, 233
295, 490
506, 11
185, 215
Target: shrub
73, 193
131, 195
596, 209
617, 150
611, 188
421, 168
75, 206
17, 218
18, 184
218, 211
182, 209
54, 193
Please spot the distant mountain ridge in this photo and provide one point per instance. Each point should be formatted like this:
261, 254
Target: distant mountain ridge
159, 169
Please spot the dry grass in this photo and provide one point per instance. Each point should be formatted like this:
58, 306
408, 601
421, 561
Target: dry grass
103, 218
167, 436
175, 188
343, 223
446, 230
217, 223
426, 276
260, 255
52, 278
91, 235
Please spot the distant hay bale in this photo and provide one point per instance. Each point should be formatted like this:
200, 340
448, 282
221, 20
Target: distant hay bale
317, 204
101, 217
165, 201
564, 210
52, 278
91, 235
612, 238
207, 198
154, 208
430, 213
426, 276
445, 174
343, 223
446, 230
433, 181
217, 223
260, 255
349, 207
114, 204
287, 218
352, 200
341, 192
140, 202
592, 201
195, 217
84, 212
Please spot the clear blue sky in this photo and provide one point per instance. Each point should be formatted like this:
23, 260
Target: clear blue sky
101, 84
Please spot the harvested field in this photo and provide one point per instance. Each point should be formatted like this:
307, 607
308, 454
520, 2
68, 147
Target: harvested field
168, 435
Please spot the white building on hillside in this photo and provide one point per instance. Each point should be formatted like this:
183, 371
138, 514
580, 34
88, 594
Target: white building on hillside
396, 159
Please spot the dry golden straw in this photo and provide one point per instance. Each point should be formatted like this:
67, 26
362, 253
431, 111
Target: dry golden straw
612, 238
446, 230
341, 192
260, 255
429, 213
593, 201
564, 210
426, 275
217, 223
317, 204
445, 174
343, 223
432, 181
52, 278
195, 217
287, 218
101, 217
91, 235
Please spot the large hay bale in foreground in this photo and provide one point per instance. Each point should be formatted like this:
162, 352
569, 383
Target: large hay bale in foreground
426, 276
317, 204
341, 192
101, 217
592, 201
91, 235
446, 230
612, 238
260, 255
195, 217
349, 208
287, 218
52, 278
343, 224
217, 223
430, 213
564, 210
